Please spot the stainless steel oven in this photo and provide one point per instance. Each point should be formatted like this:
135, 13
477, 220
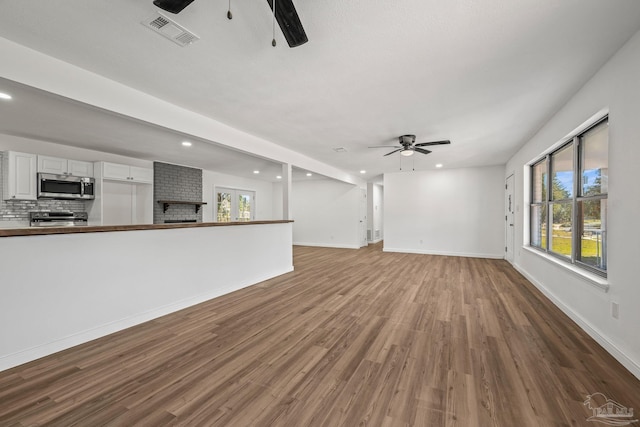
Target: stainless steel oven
58, 219
52, 186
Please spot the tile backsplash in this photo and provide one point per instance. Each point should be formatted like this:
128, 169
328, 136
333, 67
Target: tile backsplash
17, 211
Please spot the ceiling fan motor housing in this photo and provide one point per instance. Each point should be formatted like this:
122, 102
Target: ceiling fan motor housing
407, 140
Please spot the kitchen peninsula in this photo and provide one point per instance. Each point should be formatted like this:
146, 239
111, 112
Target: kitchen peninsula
92, 281
12, 232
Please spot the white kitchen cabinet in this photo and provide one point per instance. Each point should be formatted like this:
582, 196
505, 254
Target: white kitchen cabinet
60, 166
54, 165
115, 171
124, 195
120, 172
19, 176
125, 203
144, 175
79, 168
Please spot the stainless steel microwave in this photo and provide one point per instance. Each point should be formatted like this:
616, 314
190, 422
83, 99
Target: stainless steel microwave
52, 186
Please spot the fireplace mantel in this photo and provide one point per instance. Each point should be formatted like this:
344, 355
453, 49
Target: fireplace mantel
166, 204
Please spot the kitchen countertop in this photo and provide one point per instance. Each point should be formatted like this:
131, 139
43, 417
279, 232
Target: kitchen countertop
39, 231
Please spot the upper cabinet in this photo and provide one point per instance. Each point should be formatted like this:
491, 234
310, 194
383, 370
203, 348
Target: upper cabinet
19, 176
144, 175
58, 166
120, 172
78, 168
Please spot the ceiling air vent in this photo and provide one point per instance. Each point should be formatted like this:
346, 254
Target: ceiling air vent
340, 150
170, 29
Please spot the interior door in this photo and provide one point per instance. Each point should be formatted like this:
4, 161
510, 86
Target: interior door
509, 205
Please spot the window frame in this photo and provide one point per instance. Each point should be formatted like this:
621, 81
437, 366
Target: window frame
548, 201
542, 203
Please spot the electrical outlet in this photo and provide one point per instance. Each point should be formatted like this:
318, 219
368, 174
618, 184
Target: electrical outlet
615, 310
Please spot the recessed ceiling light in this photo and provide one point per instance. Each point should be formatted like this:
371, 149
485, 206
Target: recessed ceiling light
309, 174
256, 172
439, 165
5, 96
363, 171
186, 144
278, 177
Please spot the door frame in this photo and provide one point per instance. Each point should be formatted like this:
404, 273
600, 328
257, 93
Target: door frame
509, 217
234, 209
362, 209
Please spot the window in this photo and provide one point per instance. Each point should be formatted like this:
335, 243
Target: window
223, 202
538, 205
561, 203
569, 200
234, 205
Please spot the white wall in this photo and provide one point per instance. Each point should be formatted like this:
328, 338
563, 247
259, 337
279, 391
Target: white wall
447, 212
120, 279
615, 87
277, 201
264, 190
326, 213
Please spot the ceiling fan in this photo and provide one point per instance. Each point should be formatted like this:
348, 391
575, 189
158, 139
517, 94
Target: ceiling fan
284, 11
408, 146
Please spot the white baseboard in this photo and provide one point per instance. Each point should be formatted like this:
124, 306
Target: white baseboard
591, 330
326, 245
30, 354
444, 253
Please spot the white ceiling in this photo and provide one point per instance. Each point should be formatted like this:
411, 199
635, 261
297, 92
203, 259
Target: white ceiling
36, 114
484, 74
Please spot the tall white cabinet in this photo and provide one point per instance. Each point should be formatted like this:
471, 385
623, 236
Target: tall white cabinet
19, 176
124, 195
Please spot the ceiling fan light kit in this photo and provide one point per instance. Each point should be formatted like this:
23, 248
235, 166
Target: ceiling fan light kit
407, 152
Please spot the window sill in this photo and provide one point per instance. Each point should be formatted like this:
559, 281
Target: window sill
593, 279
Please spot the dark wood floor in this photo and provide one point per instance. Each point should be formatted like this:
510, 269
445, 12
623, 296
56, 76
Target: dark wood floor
351, 338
